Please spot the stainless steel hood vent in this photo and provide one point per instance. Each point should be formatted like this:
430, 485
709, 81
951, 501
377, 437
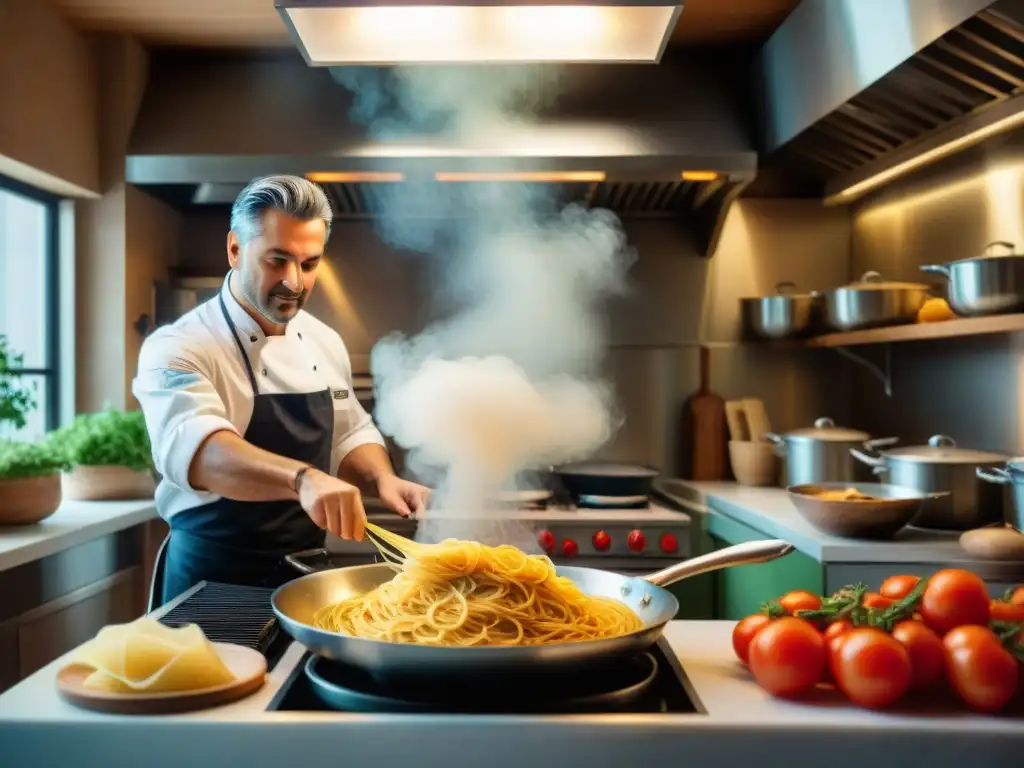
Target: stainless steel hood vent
209, 126
888, 89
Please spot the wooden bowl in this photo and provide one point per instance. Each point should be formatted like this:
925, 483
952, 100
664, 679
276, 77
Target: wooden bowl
753, 463
890, 508
29, 500
107, 483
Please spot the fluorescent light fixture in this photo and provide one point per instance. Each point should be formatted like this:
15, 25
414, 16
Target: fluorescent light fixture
699, 175
354, 177
364, 32
988, 123
569, 177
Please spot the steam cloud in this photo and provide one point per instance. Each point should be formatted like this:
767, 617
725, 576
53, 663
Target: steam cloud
507, 379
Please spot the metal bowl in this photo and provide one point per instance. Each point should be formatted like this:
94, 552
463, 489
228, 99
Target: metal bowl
890, 508
786, 315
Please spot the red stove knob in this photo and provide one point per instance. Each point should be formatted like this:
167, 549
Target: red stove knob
636, 541
602, 541
546, 539
570, 548
669, 543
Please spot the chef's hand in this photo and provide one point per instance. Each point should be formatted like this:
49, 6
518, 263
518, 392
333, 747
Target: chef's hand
332, 504
402, 496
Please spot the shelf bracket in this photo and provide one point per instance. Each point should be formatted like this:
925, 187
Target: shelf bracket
884, 376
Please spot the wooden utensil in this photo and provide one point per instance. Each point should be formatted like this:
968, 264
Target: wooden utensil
737, 420
994, 543
248, 666
757, 418
707, 412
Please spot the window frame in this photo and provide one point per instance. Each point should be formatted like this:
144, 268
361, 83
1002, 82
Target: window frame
51, 373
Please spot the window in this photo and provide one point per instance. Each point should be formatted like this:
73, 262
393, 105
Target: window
30, 298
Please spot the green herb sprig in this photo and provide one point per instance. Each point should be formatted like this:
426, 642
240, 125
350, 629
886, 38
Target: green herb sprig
20, 460
109, 437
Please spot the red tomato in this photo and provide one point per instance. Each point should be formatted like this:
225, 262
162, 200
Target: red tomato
898, 587
981, 671
1003, 611
838, 627
872, 668
927, 656
800, 600
787, 657
953, 599
744, 632
833, 634
1017, 597
875, 600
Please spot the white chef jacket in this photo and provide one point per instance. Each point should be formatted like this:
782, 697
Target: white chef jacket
183, 407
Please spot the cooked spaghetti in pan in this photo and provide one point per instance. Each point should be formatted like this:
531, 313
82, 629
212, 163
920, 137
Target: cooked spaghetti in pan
461, 593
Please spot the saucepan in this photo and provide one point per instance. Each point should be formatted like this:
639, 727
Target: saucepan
296, 602
607, 484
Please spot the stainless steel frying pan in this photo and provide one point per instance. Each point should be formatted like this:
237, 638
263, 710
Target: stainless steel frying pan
297, 601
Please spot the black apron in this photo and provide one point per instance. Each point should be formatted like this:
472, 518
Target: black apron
244, 542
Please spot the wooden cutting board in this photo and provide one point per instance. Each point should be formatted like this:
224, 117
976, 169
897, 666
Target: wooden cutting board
707, 417
757, 418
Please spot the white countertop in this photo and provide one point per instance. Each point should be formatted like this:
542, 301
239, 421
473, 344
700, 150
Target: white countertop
35, 724
770, 511
76, 522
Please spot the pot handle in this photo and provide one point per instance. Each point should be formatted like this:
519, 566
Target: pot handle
993, 475
1011, 247
777, 442
936, 269
747, 553
301, 567
871, 459
871, 277
784, 287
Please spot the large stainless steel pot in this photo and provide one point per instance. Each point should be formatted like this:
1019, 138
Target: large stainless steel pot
985, 285
297, 601
1012, 475
787, 315
959, 500
873, 303
818, 454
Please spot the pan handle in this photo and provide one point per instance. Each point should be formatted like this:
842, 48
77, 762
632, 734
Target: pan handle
301, 567
747, 553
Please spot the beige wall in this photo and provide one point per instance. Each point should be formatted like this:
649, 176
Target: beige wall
67, 105
677, 301
48, 105
967, 388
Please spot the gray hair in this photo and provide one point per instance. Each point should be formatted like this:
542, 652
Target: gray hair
292, 195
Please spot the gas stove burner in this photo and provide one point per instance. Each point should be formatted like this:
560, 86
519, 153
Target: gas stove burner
538, 498
612, 686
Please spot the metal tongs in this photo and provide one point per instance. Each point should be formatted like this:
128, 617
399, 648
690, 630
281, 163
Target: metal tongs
393, 556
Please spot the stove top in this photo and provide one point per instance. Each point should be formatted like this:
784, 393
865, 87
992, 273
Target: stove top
649, 683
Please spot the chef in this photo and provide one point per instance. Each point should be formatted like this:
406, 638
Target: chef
248, 401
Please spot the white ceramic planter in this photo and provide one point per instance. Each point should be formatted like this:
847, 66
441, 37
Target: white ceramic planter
107, 483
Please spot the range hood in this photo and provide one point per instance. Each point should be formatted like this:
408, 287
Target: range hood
340, 32
857, 92
672, 140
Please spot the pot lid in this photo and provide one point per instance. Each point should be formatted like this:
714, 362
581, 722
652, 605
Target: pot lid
872, 281
1009, 252
943, 450
826, 429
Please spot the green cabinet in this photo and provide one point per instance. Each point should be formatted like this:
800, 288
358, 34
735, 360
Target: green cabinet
740, 591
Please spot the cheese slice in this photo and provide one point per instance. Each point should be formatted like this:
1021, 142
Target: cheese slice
145, 656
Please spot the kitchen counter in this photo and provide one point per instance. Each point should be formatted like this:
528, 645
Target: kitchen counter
771, 511
76, 522
736, 724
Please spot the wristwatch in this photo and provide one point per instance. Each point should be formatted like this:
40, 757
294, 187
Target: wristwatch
298, 477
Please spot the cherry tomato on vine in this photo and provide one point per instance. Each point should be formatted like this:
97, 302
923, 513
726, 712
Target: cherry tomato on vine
799, 600
898, 587
875, 600
927, 655
871, 668
983, 673
954, 598
787, 657
744, 632
1003, 611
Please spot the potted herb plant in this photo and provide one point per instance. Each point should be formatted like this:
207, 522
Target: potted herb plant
30, 481
109, 456
16, 401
